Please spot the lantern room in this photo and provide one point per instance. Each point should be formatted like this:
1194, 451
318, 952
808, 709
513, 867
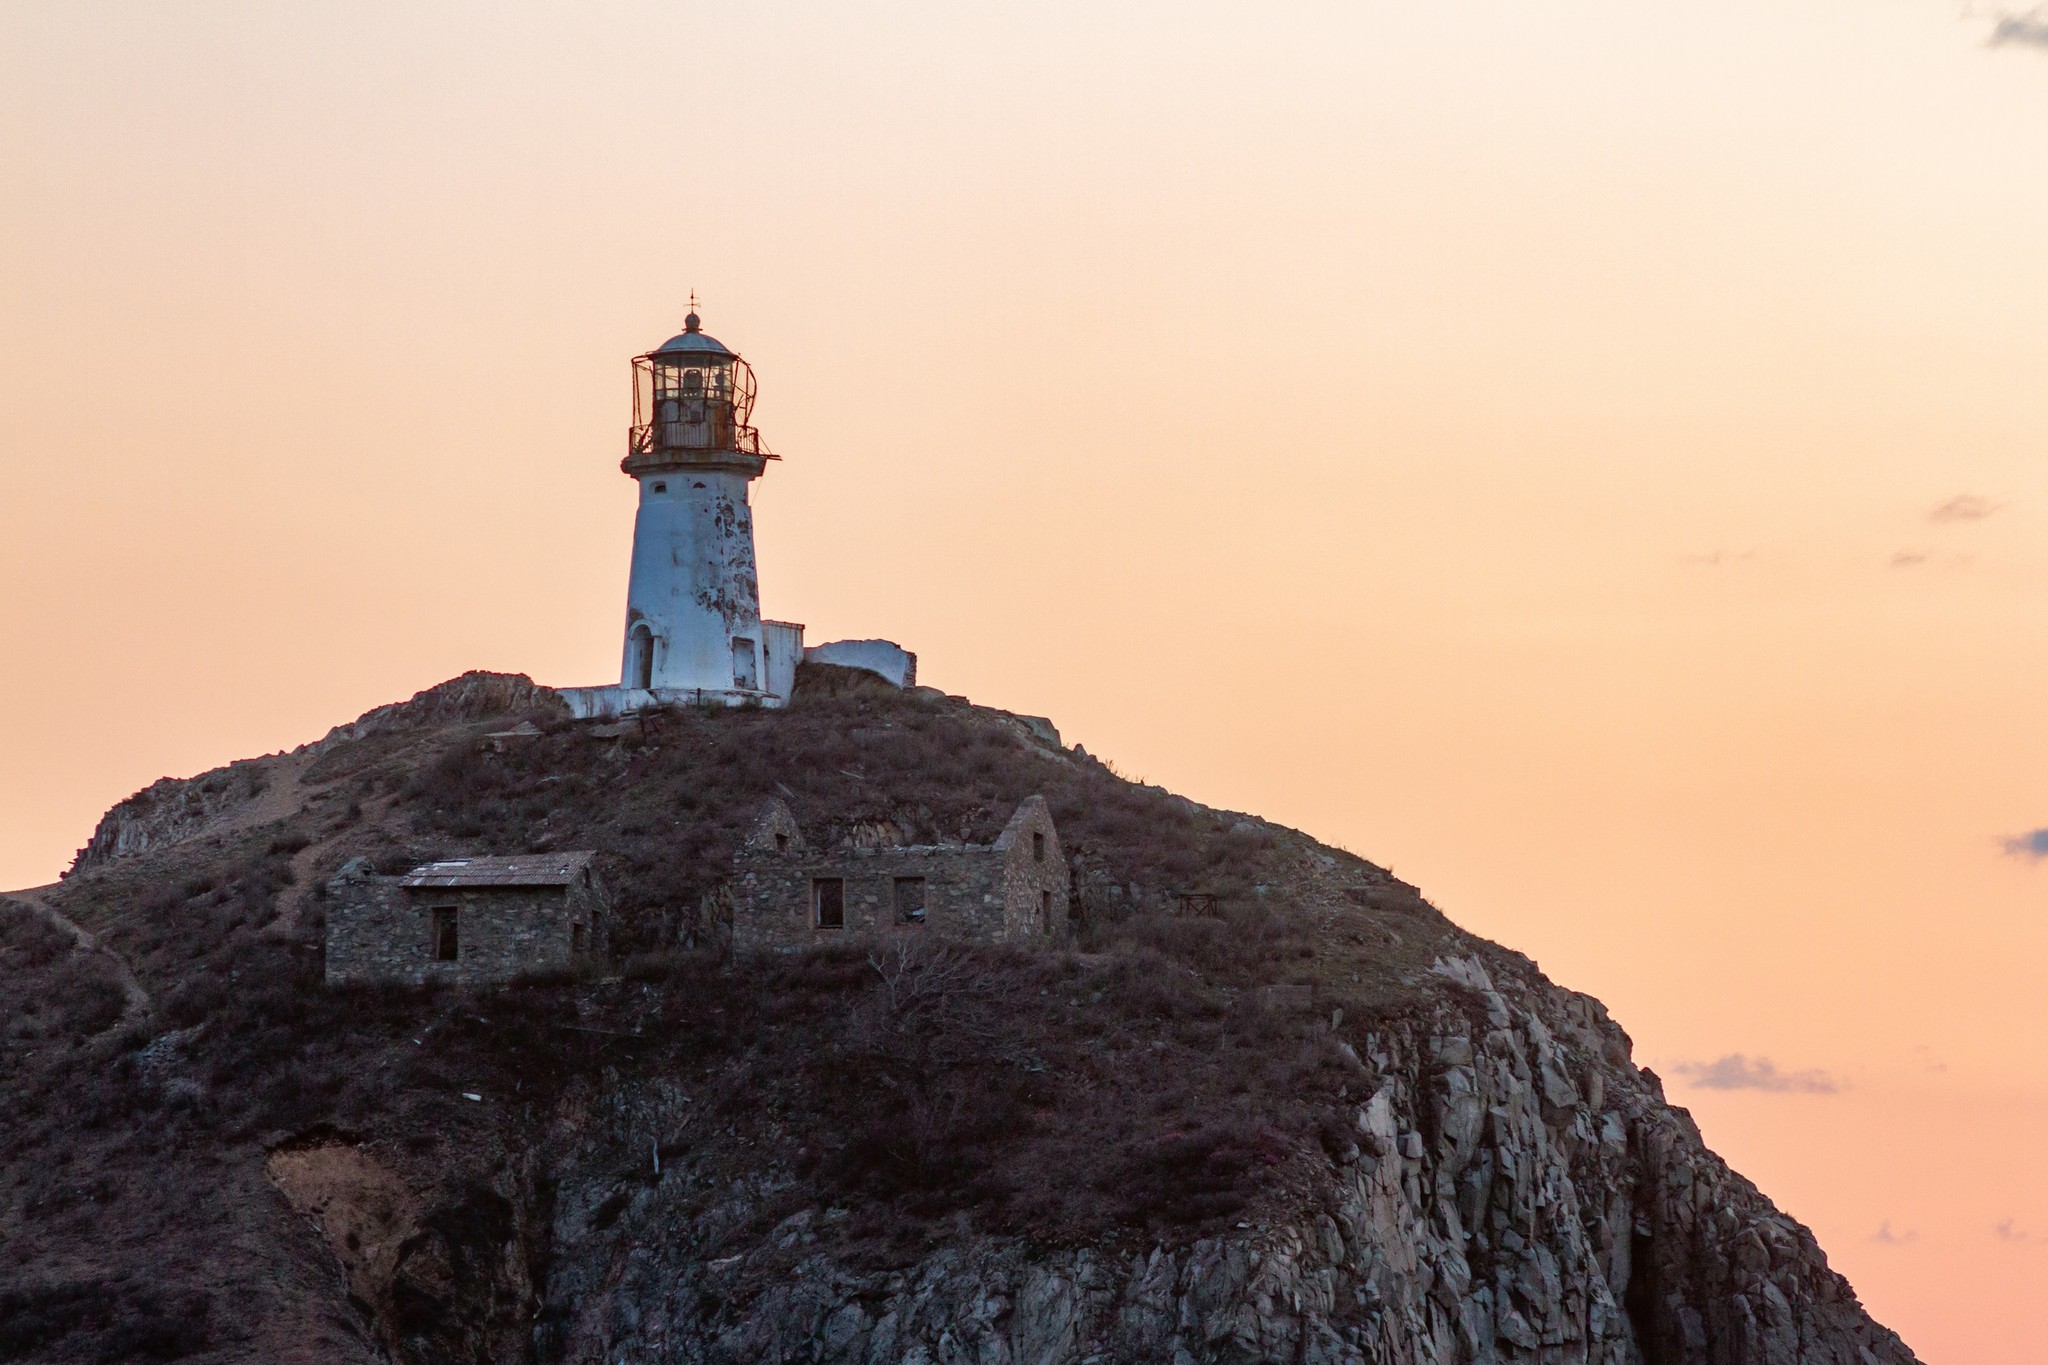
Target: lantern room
691, 396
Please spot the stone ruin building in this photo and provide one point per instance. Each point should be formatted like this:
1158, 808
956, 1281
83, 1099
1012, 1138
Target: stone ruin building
468, 921
786, 893
491, 920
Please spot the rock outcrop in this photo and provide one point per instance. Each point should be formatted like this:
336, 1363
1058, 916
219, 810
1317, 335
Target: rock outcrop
472, 696
1513, 1190
173, 809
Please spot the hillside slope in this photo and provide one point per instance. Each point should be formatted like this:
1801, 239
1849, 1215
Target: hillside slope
1321, 1124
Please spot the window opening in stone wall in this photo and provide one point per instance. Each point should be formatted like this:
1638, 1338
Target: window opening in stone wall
446, 946
744, 672
1045, 910
643, 659
910, 900
782, 843
1038, 848
576, 939
828, 903
661, 488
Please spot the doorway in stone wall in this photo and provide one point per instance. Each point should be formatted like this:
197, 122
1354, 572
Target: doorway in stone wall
746, 672
828, 903
447, 947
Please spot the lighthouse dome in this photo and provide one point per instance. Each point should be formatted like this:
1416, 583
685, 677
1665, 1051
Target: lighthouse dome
693, 344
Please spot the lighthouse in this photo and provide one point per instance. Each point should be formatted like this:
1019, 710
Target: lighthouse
694, 632
693, 603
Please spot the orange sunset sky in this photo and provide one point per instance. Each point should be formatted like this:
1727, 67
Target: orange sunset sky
1586, 456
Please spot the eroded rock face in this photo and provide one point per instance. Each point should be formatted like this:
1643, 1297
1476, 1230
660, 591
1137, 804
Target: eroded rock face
363, 1209
1517, 1191
432, 1275
466, 697
171, 809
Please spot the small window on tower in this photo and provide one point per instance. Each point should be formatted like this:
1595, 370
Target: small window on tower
661, 488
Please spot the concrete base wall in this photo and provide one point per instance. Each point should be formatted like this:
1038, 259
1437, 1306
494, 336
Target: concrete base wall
883, 658
609, 703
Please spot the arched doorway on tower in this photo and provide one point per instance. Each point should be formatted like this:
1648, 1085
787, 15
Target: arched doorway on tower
642, 675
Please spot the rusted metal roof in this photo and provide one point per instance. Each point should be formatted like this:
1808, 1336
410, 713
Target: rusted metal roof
519, 869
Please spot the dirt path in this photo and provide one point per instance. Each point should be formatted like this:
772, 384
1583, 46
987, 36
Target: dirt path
291, 902
282, 795
137, 1004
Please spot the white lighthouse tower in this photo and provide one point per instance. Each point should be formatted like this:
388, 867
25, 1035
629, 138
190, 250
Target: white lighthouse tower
694, 631
693, 606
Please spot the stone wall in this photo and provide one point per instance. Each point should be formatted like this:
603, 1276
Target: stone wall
1035, 877
378, 931
773, 894
1012, 890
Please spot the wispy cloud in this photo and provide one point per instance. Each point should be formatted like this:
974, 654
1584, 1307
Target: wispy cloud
1927, 559
1885, 1234
1964, 507
2033, 845
2024, 26
2009, 1230
1738, 1072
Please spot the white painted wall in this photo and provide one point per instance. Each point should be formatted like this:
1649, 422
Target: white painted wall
693, 582
883, 657
783, 643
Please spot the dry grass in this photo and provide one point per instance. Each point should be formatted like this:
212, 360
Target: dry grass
1138, 1083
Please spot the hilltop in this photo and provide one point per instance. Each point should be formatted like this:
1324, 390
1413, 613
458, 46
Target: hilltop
1316, 1122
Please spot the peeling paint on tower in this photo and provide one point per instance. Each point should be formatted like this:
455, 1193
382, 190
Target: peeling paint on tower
694, 631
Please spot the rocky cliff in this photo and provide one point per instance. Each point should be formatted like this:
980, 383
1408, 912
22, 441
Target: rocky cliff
1510, 1189
1315, 1123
